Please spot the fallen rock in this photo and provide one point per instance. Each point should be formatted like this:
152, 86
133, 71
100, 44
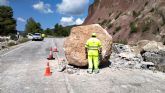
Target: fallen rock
151, 57
153, 46
161, 65
123, 60
74, 44
12, 42
119, 48
147, 46
142, 43
127, 55
146, 65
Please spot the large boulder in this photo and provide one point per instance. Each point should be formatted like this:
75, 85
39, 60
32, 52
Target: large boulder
74, 44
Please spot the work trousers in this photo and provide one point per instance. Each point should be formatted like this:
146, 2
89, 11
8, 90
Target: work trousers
93, 61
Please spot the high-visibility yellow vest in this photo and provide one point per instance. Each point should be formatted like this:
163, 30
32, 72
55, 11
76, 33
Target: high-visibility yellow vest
43, 35
93, 44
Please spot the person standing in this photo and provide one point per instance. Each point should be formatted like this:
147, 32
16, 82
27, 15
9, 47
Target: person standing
93, 49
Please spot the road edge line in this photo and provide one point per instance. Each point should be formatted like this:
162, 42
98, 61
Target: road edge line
10, 51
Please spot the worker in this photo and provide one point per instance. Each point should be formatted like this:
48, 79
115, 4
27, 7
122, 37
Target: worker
43, 36
93, 48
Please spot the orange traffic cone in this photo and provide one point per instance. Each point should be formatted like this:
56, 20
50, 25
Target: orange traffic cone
50, 57
55, 50
47, 70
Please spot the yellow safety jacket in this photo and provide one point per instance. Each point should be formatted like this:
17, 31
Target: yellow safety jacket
93, 45
42, 35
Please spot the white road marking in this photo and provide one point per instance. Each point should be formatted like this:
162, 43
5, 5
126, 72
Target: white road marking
15, 49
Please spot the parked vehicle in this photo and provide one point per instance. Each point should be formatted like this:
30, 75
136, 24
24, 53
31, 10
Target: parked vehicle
37, 36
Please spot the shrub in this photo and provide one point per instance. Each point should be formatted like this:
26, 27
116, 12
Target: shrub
109, 25
11, 43
152, 10
110, 14
163, 39
103, 22
118, 15
13, 37
22, 40
157, 31
118, 28
114, 33
133, 27
136, 14
122, 41
145, 27
146, 3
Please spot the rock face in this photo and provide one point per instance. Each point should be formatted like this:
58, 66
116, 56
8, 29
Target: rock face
130, 20
75, 44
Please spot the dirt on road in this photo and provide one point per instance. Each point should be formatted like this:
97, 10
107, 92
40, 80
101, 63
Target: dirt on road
22, 71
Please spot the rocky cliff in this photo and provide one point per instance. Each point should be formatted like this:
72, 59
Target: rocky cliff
130, 20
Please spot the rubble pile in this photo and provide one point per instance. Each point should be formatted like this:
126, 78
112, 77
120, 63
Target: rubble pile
3, 42
146, 55
154, 52
123, 57
7, 42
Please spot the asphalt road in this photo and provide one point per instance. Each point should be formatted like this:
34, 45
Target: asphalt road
22, 71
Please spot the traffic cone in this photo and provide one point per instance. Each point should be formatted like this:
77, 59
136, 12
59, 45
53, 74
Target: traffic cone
47, 70
55, 50
50, 57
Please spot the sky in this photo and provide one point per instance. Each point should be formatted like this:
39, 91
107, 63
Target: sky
49, 12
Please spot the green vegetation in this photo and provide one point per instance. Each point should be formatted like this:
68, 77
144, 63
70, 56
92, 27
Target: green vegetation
117, 16
106, 23
133, 27
13, 37
22, 40
7, 22
109, 25
59, 30
114, 33
146, 3
145, 28
118, 28
8, 26
156, 31
11, 43
110, 14
48, 31
124, 41
152, 10
163, 17
32, 26
135, 14
103, 22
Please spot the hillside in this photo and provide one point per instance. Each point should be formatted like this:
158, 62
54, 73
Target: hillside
130, 20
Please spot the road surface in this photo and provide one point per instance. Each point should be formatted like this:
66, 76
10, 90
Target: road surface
22, 71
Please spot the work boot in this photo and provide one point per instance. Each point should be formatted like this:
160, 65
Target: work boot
96, 71
89, 71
